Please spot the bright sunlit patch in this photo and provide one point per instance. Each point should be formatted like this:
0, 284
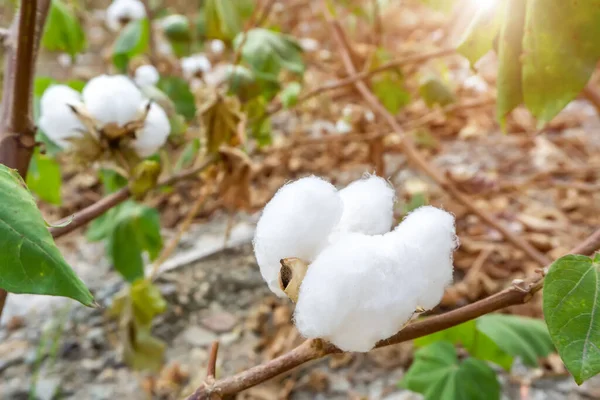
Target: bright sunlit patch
484, 5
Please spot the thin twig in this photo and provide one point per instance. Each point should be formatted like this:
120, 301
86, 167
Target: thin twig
93, 211
211, 369
314, 348
414, 156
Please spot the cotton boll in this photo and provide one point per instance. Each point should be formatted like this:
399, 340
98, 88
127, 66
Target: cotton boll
112, 99
425, 241
217, 46
368, 206
355, 293
57, 120
155, 132
195, 64
146, 75
124, 10
295, 223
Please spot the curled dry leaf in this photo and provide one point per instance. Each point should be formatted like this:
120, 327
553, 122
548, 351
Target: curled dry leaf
220, 116
235, 178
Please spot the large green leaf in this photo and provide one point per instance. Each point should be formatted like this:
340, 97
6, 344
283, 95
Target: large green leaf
439, 375
518, 336
178, 90
268, 52
135, 230
510, 92
63, 32
133, 40
44, 178
29, 259
561, 49
572, 312
481, 33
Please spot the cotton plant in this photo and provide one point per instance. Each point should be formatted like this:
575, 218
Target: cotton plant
110, 120
353, 279
120, 12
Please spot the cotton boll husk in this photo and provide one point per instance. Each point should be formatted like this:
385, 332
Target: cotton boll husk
124, 10
368, 206
425, 241
57, 120
295, 223
355, 293
155, 132
146, 75
112, 99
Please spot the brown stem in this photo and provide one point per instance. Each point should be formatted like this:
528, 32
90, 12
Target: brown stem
314, 348
17, 130
89, 213
414, 156
211, 370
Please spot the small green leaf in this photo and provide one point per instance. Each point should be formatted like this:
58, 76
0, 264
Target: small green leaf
481, 33
243, 83
144, 178
222, 19
136, 230
289, 94
188, 155
178, 90
390, 90
561, 50
133, 40
268, 52
177, 27
518, 336
572, 312
510, 91
434, 91
44, 178
147, 300
31, 262
63, 32
438, 374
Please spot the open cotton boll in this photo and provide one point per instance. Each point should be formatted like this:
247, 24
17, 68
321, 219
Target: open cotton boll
146, 75
426, 239
217, 46
57, 120
155, 132
122, 11
195, 64
355, 293
295, 223
368, 206
112, 99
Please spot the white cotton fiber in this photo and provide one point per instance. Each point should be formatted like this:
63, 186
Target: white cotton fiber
112, 99
146, 75
362, 289
295, 223
195, 64
427, 237
155, 132
57, 119
124, 10
355, 293
368, 206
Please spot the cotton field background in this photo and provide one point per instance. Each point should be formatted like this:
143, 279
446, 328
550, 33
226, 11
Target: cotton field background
300, 199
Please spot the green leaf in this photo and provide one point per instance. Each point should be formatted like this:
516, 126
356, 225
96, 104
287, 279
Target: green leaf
510, 92
572, 312
268, 52
222, 19
177, 27
434, 91
178, 90
44, 178
136, 230
518, 336
481, 33
438, 374
112, 180
390, 90
561, 49
188, 155
63, 32
147, 301
289, 94
133, 40
31, 262
243, 83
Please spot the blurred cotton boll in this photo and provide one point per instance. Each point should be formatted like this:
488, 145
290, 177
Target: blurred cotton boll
146, 75
195, 65
112, 99
120, 12
155, 132
217, 46
57, 119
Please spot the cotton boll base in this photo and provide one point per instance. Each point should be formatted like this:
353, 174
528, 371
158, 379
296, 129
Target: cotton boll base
295, 223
